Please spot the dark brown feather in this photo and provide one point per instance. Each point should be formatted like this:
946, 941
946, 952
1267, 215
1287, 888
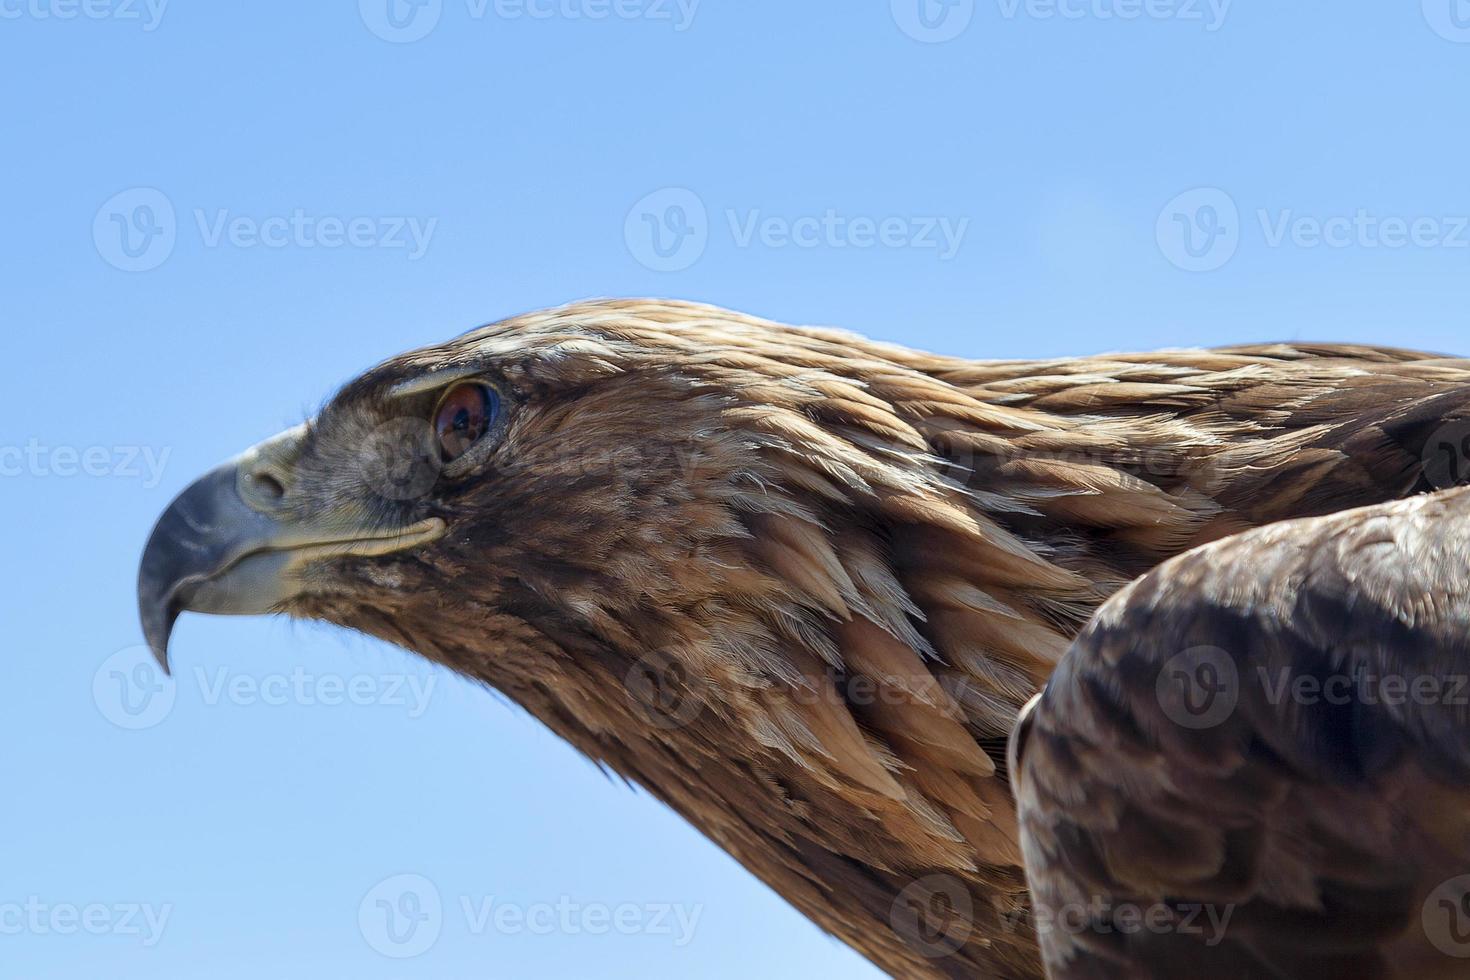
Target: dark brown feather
1306, 784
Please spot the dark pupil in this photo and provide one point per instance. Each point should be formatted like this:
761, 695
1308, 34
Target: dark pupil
464, 420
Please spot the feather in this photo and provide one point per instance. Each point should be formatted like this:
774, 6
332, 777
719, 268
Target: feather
797, 583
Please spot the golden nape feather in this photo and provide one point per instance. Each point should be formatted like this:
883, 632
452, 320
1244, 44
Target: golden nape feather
797, 583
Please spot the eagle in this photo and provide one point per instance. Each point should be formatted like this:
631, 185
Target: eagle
795, 583
1255, 761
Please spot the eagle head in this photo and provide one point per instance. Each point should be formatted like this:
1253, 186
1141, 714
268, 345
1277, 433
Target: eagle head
601, 510
566, 482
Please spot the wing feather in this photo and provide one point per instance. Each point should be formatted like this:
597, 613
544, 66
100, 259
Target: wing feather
1274, 729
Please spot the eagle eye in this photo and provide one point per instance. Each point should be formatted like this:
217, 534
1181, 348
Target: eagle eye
465, 414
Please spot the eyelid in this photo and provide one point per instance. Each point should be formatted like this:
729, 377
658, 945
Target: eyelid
434, 380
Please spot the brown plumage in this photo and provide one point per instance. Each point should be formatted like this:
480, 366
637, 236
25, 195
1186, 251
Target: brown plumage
797, 583
1264, 747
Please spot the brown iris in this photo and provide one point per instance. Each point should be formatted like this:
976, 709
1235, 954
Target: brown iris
465, 414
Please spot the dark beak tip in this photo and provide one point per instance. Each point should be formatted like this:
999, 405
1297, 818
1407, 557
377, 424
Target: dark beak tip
157, 603
160, 653
182, 548
158, 625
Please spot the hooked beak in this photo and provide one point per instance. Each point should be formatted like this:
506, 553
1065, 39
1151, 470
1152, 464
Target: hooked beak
231, 544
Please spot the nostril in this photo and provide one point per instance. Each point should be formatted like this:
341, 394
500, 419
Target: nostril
268, 484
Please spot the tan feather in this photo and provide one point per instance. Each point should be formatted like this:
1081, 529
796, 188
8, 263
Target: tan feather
841, 565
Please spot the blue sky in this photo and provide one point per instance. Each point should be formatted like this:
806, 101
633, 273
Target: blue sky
215, 213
